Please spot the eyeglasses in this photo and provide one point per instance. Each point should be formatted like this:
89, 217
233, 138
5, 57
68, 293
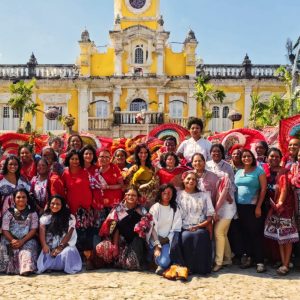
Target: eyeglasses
106, 157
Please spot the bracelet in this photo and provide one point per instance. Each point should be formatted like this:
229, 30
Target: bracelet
157, 243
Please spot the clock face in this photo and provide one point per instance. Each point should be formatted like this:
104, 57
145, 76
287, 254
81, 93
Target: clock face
137, 4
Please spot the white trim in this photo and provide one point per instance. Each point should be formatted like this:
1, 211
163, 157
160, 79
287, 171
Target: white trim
138, 11
177, 98
55, 98
4, 97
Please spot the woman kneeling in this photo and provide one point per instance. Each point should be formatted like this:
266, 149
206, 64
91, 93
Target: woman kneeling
58, 239
125, 230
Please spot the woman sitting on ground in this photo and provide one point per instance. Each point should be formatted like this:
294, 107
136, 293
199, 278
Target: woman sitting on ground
19, 227
192, 247
125, 231
58, 239
167, 221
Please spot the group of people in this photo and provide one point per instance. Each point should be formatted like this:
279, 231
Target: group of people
192, 211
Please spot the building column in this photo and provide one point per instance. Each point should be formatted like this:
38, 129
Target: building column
83, 105
192, 105
247, 103
117, 96
161, 101
118, 63
160, 64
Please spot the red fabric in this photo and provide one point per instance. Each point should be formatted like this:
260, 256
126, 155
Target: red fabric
78, 192
28, 171
97, 194
166, 176
112, 176
56, 185
286, 127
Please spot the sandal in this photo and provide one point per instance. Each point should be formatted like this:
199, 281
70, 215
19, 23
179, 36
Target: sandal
260, 268
246, 263
182, 273
171, 273
283, 270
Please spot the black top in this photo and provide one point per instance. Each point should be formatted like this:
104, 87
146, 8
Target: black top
126, 225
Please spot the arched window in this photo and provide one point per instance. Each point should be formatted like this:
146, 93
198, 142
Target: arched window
139, 55
176, 109
101, 109
215, 112
138, 105
225, 112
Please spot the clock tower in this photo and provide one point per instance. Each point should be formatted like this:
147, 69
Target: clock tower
137, 12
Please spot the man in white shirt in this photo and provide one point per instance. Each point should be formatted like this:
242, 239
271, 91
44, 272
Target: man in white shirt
195, 144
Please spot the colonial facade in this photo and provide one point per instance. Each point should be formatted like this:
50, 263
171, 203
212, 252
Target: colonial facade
137, 72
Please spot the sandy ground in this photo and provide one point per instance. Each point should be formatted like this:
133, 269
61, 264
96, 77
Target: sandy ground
230, 283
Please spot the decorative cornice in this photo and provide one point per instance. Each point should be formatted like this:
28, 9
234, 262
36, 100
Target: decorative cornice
53, 98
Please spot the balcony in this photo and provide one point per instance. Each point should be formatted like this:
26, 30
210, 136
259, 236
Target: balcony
99, 124
129, 117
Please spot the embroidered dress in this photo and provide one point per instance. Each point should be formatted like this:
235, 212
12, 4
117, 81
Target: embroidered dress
295, 180
280, 225
6, 194
24, 259
68, 260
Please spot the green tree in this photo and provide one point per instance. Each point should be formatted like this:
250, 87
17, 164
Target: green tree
21, 100
293, 97
257, 112
206, 94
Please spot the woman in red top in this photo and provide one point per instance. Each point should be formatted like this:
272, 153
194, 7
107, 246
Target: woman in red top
113, 189
79, 198
171, 171
28, 166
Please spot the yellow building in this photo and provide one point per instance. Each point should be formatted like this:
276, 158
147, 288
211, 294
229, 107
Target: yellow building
138, 71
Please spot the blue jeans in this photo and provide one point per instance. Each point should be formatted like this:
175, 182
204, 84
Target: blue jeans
164, 259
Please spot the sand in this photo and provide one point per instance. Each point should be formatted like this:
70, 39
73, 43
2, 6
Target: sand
230, 283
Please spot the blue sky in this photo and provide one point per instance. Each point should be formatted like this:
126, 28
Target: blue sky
225, 29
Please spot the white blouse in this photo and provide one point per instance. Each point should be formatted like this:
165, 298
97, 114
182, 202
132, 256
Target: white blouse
194, 208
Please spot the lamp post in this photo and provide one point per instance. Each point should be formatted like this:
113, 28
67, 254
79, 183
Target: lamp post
234, 116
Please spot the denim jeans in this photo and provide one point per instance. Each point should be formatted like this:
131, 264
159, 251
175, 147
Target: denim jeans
164, 259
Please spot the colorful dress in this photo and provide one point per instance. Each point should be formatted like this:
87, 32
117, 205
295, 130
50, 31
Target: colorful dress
6, 194
295, 180
24, 259
69, 259
40, 191
28, 171
280, 224
146, 181
132, 249
209, 182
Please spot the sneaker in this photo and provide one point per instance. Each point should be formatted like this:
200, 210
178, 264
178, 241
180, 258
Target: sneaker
260, 268
159, 271
217, 268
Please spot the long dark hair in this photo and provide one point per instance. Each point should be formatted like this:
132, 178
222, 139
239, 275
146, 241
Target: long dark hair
5, 166
59, 221
162, 188
137, 149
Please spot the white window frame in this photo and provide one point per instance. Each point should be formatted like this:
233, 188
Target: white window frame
102, 109
11, 122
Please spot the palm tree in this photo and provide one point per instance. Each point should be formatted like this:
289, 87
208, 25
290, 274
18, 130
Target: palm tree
21, 100
206, 94
258, 112
292, 96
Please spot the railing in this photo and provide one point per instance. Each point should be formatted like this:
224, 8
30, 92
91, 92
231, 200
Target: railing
99, 123
237, 71
179, 121
38, 71
130, 117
